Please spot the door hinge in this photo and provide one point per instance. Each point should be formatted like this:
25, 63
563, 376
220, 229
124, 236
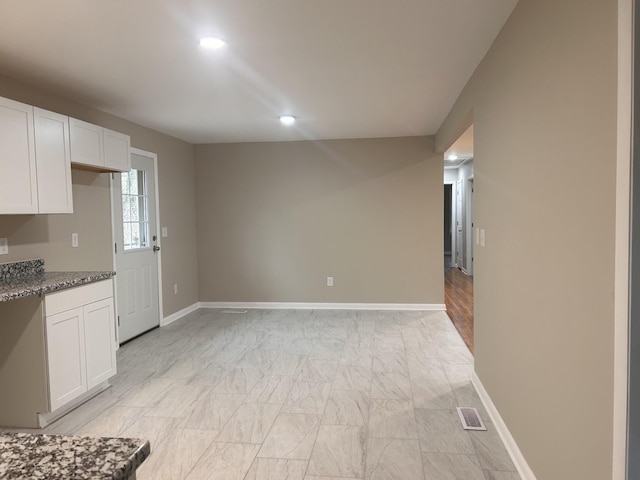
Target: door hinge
118, 320
115, 246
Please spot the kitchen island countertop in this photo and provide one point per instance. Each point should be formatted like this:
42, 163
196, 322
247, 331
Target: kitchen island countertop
57, 457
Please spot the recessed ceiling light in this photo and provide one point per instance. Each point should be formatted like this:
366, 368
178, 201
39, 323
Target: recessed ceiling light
287, 119
452, 157
212, 42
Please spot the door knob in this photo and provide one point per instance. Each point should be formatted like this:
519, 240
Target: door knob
156, 248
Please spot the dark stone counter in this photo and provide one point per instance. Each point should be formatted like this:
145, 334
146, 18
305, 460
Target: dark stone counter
58, 457
22, 279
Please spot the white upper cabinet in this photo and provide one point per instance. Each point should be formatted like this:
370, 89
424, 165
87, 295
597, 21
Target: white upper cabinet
87, 144
117, 151
99, 148
18, 188
53, 162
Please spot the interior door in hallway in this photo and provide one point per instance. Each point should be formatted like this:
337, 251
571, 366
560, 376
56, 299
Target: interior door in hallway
137, 247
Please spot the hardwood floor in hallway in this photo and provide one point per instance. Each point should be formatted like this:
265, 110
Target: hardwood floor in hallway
458, 297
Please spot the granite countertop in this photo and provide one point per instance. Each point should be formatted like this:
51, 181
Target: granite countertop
58, 457
22, 279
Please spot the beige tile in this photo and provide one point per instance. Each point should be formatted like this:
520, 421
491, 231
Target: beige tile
154, 429
347, 407
148, 394
292, 436
338, 452
308, 398
393, 459
112, 422
459, 375
271, 389
492, 475
388, 362
178, 402
250, 423
443, 466
392, 419
276, 468
287, 364
455, 355
390, 385
227, 461
357, 357
238, 381
432, 395
352, 378
440, 431
490, 449
173, 458
315, 477
317, 371
213, 410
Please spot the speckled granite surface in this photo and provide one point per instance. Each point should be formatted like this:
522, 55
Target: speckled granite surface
29, 278
12, 270
58, 457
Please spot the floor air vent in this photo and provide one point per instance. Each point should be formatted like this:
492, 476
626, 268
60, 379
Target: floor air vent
470, 418
234, 311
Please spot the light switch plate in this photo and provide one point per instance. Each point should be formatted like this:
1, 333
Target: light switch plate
165, 233
4, 246
482, 237
74, 240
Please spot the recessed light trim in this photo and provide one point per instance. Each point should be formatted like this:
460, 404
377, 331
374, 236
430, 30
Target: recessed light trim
453, 157
287, 119
213, 43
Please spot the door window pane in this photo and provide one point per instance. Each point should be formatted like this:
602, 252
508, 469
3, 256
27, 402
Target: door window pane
135, 216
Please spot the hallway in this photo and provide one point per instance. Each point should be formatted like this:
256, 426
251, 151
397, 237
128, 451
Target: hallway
458, 297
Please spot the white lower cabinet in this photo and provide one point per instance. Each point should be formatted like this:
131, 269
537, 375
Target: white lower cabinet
80, 339
66, 357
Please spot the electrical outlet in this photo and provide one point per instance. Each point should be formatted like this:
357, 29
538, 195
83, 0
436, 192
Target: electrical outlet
175, 288
74, 240
4, 246
329, 281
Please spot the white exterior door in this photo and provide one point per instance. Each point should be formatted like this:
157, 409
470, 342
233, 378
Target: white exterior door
137, 247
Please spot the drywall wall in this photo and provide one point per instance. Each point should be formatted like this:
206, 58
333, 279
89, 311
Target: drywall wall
275, 219
49, 236
543, 105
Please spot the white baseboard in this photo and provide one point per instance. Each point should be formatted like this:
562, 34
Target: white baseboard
179, 314
324, 306
509, 442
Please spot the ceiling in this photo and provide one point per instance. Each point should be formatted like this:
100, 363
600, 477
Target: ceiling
344, 68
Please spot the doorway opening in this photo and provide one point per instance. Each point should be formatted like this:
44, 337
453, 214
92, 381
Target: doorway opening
459, 235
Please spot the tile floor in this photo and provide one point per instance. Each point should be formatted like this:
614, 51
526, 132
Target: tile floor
298, 395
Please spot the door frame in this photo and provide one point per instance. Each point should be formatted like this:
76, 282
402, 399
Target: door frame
469, 225
625, 66
158, 256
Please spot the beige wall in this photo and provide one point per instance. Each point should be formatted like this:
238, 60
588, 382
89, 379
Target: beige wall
275, 219
544, 115
49, 236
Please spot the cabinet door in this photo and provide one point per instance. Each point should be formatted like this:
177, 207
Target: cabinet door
53, 162
100, 347
117, 155
65, 357
86, 143
18, 190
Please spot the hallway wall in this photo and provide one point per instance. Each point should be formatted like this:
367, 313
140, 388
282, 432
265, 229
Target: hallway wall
543, 106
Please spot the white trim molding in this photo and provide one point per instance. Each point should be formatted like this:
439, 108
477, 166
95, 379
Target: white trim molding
179, 314
509, 442
325, 306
